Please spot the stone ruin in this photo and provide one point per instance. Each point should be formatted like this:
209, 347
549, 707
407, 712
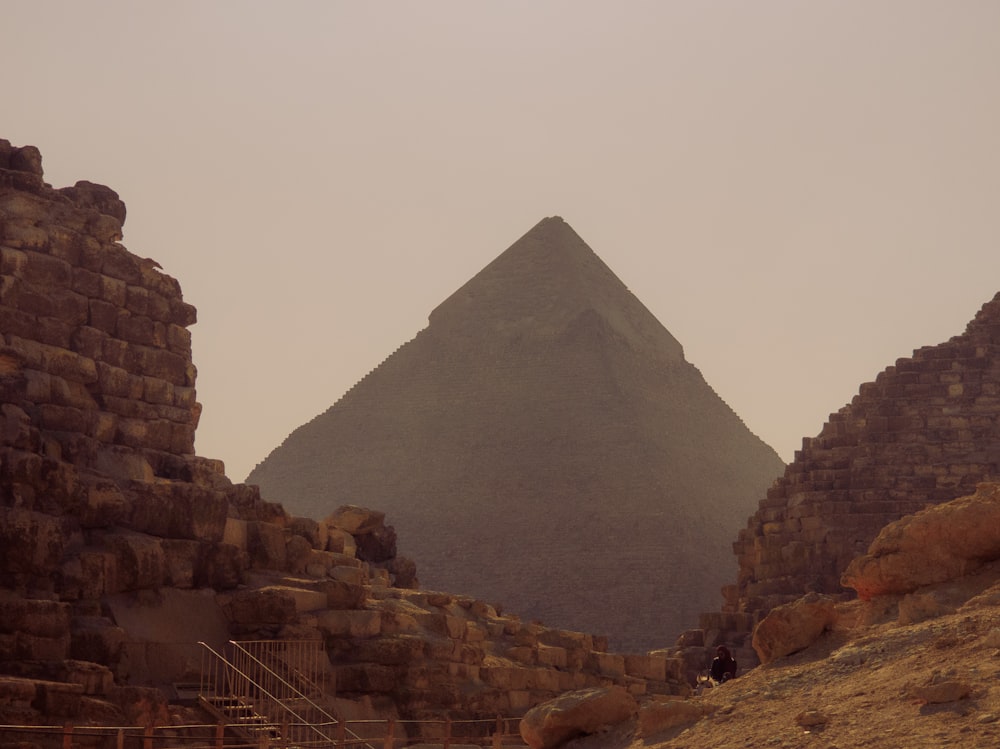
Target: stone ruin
120, 548
926, 431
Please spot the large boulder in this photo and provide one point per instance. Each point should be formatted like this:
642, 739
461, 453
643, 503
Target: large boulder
356, 520
576, 714
793, 627
940, 543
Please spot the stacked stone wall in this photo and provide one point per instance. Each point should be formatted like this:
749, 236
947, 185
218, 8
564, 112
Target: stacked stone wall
96, 351
120, 549
926, 431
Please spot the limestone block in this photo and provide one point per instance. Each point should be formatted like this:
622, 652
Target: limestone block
519, 700
545, 679
355, 520
182, 314
123, 463
103, 316
549, 655
15, 426
90, 574
39, 618
136, 329
235, 532
576, 714
792, 627
105, 504
174, 337
351, 575
657, 716
181, 559
179, 510
297, 553
141, 561
564, 638
356, 624
222, 567
21, 646
87, 341
57, 699
646, 667
506, 676
309, 529
249, 610
30, 542
266, 545
17, 693
608, 664
37, 386
306, 599
96, 639
24, 204
521, 654
96, 679
61, 418
341, 541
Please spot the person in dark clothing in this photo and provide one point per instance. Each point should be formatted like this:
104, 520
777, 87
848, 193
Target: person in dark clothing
723, 666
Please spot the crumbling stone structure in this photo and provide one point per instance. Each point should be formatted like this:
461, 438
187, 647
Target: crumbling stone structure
926, 431
120, 548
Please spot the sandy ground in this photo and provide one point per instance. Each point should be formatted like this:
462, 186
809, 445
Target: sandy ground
863, 686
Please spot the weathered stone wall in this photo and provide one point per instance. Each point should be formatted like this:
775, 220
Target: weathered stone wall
96, 351
120, 549
926, 431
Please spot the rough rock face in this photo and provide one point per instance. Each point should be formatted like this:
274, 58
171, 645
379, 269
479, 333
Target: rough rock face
794, 626
120, 549
544, 443
926, 431
576, 714
938, 544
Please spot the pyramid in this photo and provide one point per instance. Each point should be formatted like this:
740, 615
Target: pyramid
542, 444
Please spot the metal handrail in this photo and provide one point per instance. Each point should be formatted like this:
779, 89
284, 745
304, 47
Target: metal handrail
331, 720
232, 669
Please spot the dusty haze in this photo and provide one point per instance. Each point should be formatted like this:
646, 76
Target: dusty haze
800, 192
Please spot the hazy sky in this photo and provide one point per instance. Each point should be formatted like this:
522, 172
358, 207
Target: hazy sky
801, 191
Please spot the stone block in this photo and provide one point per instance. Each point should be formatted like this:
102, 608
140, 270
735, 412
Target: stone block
96, 639
646, 667
551, 655
178, 510
266, 545
347, 623
141, 562
607, 664
235, 532
31, 542
349, 574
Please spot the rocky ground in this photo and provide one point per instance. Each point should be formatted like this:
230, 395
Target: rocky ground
872, 682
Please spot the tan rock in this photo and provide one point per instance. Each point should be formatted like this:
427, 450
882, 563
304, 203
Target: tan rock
811, 718
576, 714
355, 520
938, 544
793, 627
944, 691
658, 716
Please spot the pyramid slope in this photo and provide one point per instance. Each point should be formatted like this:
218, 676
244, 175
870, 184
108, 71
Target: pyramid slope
544, 444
